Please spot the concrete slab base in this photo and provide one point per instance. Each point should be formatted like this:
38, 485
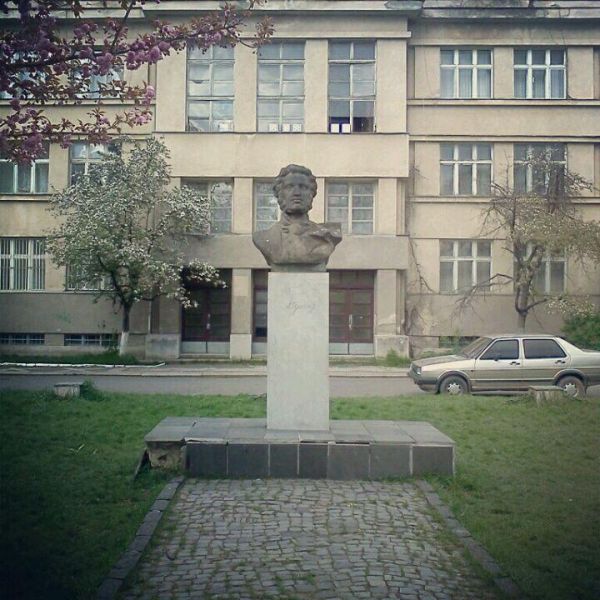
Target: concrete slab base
245, 448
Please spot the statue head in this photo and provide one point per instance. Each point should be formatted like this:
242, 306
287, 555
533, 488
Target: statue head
295, 187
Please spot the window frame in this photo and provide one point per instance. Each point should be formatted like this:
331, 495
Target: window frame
350, 98
456, 162
104, 340
349, 225
198, 183
33, 183
547, 67
88, 161
475, 258
530, 152
35, 265
495, 357
475, 68
256, 195
22, 339
210, 98
280, 98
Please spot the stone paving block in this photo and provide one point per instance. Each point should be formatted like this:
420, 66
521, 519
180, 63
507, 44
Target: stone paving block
283, 460
433, 459
206, 459
248, 460
313, 461
389, 460
348, 461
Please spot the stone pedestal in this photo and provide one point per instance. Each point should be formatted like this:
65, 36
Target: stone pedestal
298, 351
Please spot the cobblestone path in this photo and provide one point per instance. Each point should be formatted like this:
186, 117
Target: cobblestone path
303, 539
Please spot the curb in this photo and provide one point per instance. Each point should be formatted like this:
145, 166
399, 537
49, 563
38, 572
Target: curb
466, 540
112, 583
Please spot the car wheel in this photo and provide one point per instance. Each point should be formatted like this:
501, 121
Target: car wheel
572, 386
454, 385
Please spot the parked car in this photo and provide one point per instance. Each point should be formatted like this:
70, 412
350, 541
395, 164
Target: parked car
509, 363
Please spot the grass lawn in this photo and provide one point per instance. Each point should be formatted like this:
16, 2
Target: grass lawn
528, 483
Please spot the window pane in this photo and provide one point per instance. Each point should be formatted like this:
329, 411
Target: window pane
24, 178
363, 72
520, 83
484, 57
447, 83
272, 50
365, 227
446, 151
520, 57
520, 151
339, 89
465, 151
465, 83
222, 110
363, 88
557, 83
465, 248
363, 109
339, 50
465, 57
483, 272
79, 150
538, 57
293, 72
41, 178
223, 72
484, 179
6, 177
465, 179
447, 57
557, 277
465, 274
484, 248
293, 110
446, 248
268, 109
198, 109
539, 83
294, 50
268, 73
339, 108
446, 280
292, 88
557, 152
557, 57
447, 180
339, 72
223, 53
484, 83
364, 50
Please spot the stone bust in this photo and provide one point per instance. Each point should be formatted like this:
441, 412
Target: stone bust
295, 241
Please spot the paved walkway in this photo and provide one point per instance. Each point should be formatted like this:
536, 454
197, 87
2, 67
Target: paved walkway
313, 539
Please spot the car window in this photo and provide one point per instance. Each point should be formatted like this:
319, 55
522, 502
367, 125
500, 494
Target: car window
502, 350
474, 348
542, 349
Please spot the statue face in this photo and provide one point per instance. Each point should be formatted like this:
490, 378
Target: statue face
295, 194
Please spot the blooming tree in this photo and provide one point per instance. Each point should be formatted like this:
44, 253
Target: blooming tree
123, 229
538, 220
46, 61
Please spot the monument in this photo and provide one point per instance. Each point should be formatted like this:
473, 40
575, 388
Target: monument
297, 439
297, 250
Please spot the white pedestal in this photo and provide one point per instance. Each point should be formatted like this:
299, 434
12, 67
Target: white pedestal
298, 351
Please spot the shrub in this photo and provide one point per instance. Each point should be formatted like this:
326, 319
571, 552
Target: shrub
584, 331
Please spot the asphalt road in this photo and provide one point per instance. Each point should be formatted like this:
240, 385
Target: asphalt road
341, 387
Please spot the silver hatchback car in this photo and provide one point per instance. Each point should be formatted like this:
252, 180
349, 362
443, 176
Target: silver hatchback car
510, 363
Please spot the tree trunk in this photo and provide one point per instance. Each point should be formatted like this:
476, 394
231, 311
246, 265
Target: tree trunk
124, 331
521, 321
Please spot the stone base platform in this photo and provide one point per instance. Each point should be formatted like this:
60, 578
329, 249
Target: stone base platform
245, 448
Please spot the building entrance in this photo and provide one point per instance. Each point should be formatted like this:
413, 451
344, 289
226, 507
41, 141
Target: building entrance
205, 329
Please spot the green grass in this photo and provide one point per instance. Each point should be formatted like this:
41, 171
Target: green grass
110, 357
527, 486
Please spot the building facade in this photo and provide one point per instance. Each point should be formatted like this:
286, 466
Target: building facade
405, 111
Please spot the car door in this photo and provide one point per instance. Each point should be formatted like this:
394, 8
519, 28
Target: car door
499, 367
543, 359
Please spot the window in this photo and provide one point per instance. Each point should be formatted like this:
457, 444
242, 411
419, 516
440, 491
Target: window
351, 87
550, 278
351, 204
25, 179
466, 73
502, 350
464, 264
90, 339
281, 87
92, 85
266, 207
83, 155
219, 194
75, 281
537, 165
210, 89
539, 73
23, 339
465, 169
22, 263
544, 348
20, 87
260, 285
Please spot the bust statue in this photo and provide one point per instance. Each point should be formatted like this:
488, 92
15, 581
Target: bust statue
295, 240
